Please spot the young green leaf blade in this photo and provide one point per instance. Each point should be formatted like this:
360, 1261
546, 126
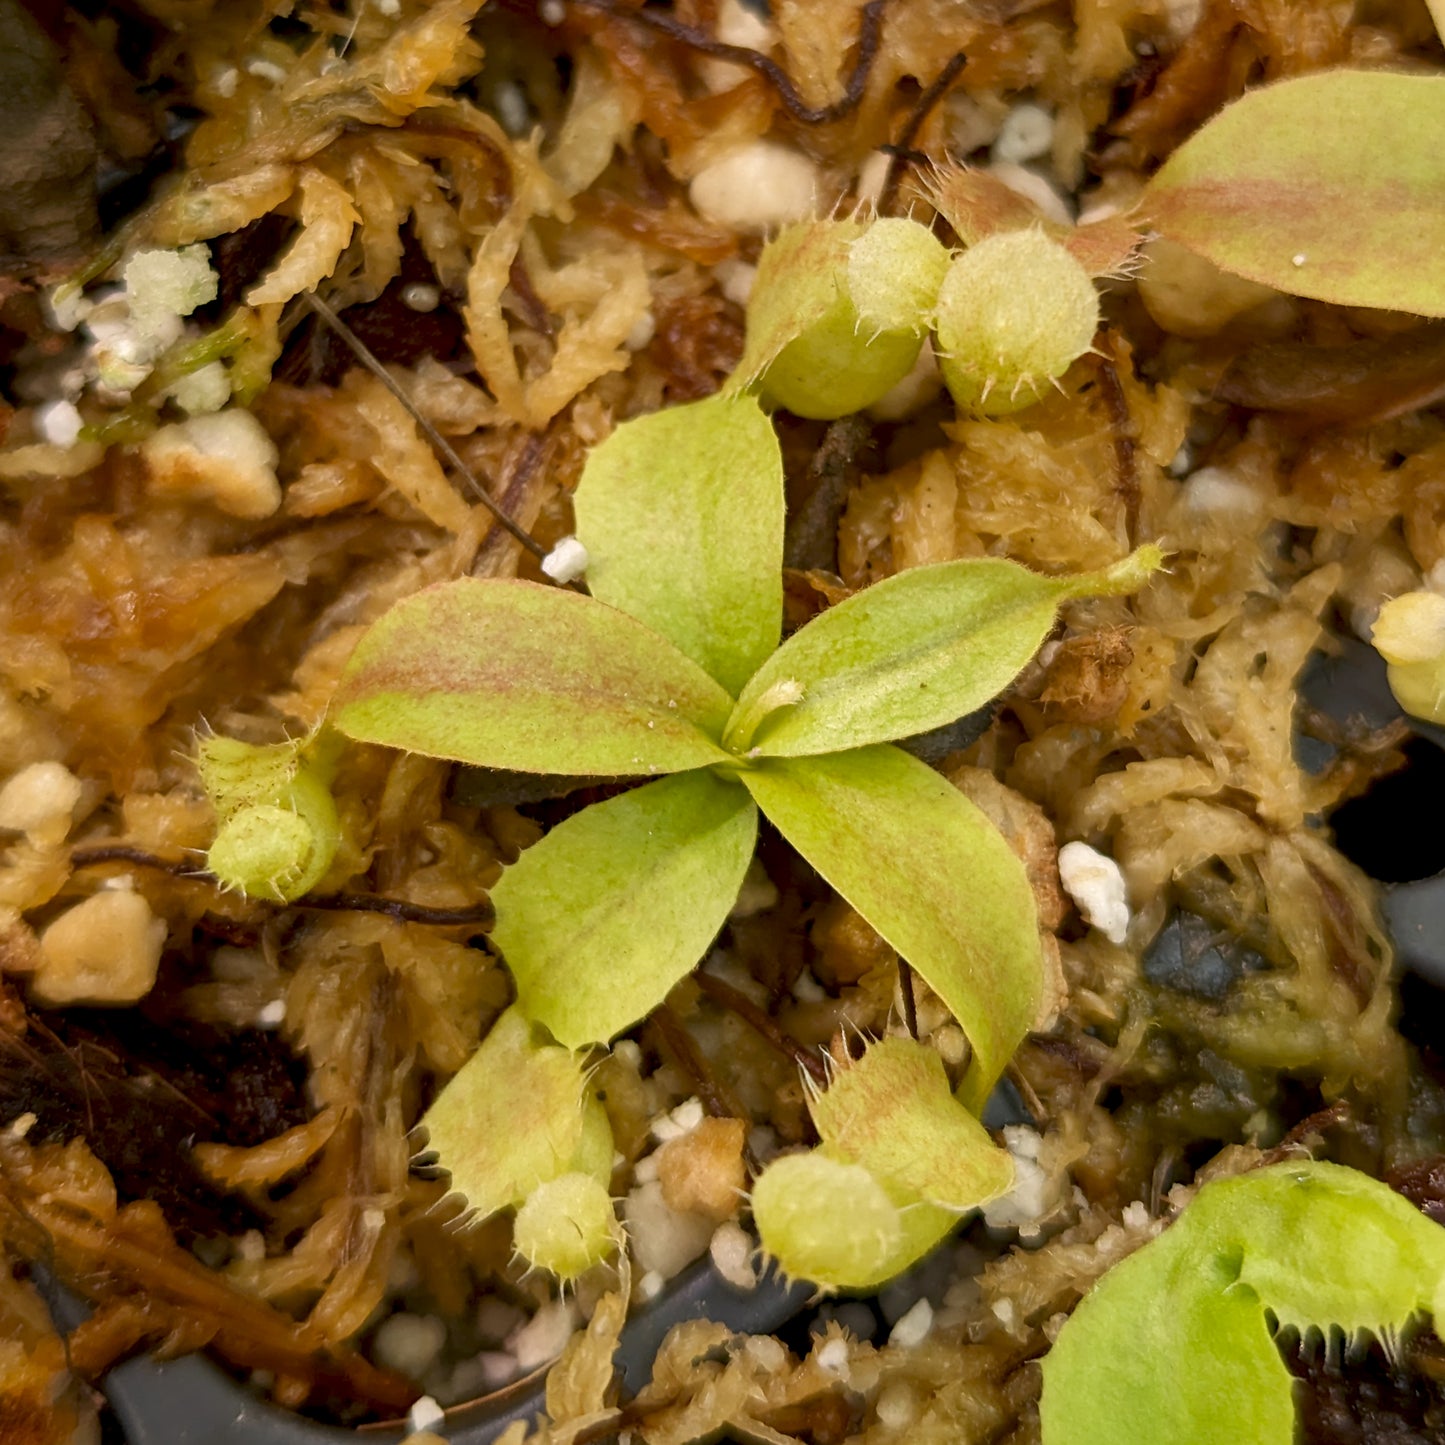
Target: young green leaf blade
1327, 185
893, 1112
910, 653
616, 904
516, 1114
1163, 1349
681, 512
931, 874
1286, 1223
1314, 1244
510, 674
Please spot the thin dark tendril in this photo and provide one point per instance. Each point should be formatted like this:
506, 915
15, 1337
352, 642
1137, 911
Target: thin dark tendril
869, 30
715, 1097
901, 152
758, 1019
368, 359
477, 914
514, 490
910, 1003
124, 853
1297, 1140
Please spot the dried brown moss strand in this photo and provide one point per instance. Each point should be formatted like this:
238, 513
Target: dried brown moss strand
368, 359
869, 31
1121, 427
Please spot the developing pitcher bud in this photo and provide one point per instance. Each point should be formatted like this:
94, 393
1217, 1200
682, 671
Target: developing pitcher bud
838, 313
1014, 312
279, 829
832, 1222
566, 1225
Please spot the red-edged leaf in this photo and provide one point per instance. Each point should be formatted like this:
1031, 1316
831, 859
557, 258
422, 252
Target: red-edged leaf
1330, 185
515, 675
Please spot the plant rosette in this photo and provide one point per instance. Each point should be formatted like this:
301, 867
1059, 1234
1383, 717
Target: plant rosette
672, 670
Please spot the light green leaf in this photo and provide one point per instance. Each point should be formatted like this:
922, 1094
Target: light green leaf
829, 1221
931, 874
514, 675
1287, 1224
517, 1114
805, 1239
1314, 1244
1328, 185
1162, 1350
893, 1112
911, 653
279, 829
603, 916
681, 513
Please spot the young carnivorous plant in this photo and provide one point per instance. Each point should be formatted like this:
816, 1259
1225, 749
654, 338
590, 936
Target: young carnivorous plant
672, 671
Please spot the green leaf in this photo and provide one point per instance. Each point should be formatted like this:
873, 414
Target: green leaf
515, 675
1329, 185
1182, 1324
893, 1112
517, 1114
603, 916
681, 513
931, 874
1162, 1350
909, 654
566, 1225
279, 829
1287, 1226
799, 285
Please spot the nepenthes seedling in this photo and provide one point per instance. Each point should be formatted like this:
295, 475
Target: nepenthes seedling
672, 671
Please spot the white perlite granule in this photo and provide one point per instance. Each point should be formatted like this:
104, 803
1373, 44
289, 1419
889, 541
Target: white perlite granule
1094, 881
1033, 1196
731, 1249
567, 561
1027, 134
756, 187
59, 423
912, 1329
545, 1335
39, 801
409, 1343
425, 1415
